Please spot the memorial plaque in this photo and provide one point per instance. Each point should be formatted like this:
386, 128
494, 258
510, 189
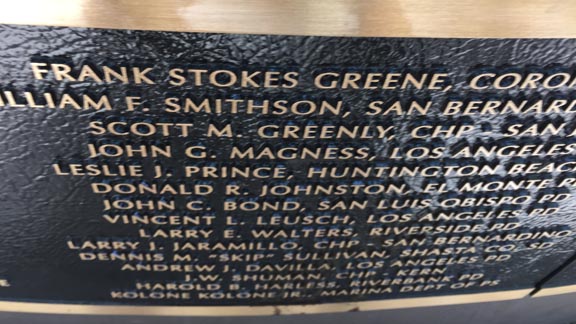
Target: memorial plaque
190, 173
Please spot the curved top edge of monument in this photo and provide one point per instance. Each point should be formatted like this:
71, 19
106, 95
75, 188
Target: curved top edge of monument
366, 18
